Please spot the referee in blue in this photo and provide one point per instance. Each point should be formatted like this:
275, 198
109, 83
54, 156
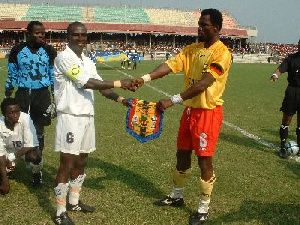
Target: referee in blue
30, 70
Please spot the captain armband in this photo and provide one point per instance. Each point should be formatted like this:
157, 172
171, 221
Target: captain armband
73, 72
176, 99
146, 78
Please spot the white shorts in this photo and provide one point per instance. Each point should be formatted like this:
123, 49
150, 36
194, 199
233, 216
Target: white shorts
75, 134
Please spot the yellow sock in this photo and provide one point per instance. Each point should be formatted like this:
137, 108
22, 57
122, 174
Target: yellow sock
206, 188
179, 177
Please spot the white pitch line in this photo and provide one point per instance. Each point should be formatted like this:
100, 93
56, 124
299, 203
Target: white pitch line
244, 132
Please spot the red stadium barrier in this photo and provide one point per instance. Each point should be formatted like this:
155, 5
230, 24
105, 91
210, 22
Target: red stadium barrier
122, 28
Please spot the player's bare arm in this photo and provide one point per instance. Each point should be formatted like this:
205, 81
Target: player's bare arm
200, 86
110, 94
159, 72
25, 150
4, 185
95, 84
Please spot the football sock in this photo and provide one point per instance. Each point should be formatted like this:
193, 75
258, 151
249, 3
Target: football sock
176, 193
203, 206
37, 168
75, 188
283, 133
41, 136
206, 188
60, 193
179, 177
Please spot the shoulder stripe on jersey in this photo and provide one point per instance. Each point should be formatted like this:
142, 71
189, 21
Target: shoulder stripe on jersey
73, 72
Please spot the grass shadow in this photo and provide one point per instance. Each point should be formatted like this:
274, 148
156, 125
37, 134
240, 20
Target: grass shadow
243, 141
261, 213
114, 172
24, 175
295, 168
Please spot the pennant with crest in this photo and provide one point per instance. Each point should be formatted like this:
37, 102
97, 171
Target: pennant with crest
143, 121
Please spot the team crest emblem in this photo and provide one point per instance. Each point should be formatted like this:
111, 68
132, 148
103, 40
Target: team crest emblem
143, 121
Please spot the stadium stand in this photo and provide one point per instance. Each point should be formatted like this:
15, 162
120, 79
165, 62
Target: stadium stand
171, 17
53, 13
120, 15
88, 14
13, 11
229, 22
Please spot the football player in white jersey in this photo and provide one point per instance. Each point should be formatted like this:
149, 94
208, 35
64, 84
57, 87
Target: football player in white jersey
17, 139
75, 79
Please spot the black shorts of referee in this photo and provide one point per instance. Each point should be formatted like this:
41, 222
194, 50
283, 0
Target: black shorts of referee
291, 101
35, 102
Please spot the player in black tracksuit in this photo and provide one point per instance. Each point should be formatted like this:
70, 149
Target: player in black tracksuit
291, 101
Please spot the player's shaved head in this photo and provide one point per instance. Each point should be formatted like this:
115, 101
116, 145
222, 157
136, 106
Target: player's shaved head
73, 25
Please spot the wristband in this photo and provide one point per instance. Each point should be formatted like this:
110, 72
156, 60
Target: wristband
120, 99
176, 99
117, 84
275, 75
11, 157
146, 78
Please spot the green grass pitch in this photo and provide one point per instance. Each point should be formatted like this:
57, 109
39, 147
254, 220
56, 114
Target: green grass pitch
124, 177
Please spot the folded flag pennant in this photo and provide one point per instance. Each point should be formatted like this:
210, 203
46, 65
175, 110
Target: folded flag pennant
143, 121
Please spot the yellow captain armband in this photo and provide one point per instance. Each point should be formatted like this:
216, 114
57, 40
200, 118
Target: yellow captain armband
73, 72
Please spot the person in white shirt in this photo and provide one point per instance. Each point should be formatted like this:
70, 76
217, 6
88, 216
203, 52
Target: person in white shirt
75, 79
17, 139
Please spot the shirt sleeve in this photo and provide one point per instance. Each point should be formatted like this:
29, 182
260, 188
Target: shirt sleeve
69, 68
219, 63
95, 73
283, 67
12, 70
2, 147
176, 64
52, 55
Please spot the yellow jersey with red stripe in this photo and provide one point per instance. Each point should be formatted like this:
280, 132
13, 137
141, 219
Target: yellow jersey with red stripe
195, 60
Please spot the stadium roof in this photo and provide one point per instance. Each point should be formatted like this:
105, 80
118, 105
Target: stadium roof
121, 28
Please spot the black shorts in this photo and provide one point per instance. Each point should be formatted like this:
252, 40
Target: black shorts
39, 101
291, 101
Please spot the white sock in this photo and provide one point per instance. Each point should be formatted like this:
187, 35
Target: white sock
75, 188
60, 193
176, 193
203, 206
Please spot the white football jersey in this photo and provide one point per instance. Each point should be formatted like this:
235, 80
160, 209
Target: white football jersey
71, 74
23, 135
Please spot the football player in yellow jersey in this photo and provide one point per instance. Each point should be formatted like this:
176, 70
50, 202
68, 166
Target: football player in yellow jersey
205, 66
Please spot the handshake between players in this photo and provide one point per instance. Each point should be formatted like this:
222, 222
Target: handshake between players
134, 84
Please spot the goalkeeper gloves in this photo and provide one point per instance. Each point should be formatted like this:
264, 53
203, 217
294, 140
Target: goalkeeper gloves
51, 111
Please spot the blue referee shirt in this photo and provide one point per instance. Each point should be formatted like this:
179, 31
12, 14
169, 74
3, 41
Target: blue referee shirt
30, 68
